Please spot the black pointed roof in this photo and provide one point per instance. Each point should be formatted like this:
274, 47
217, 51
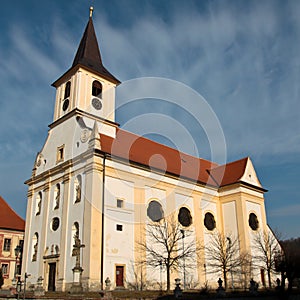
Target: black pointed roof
88, 55
88, 51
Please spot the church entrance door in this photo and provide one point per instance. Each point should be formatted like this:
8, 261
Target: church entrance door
119, 276
51, 278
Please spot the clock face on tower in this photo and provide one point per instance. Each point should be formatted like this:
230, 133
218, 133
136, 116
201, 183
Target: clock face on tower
96, 103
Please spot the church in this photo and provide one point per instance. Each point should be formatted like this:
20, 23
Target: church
95, 188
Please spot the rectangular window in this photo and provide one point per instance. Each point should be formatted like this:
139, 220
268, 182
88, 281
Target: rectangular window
7, 243
119, 227
60, 154
120, 203
4, 269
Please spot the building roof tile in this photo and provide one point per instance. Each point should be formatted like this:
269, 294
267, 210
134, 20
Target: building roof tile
229, 173
137, 149
9, 218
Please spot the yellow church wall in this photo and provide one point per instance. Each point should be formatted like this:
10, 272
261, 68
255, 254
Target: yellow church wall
147, 189
199, 233
91, 259
139, 228
241, 198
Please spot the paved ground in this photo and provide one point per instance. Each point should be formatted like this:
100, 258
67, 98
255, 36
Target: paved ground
149, 295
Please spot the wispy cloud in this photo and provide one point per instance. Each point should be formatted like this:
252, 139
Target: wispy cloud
237, 58
243, 57
286, 211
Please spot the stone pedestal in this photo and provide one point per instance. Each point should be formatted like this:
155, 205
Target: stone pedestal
220, 289
76, 287
107, 295
253, 287
177, 290
39, 290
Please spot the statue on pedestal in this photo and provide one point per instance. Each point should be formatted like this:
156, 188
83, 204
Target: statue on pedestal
77, 270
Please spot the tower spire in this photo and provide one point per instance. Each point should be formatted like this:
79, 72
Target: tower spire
88, 54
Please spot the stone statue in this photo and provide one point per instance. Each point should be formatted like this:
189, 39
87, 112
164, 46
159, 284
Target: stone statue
78, 193
57, 198
35, 249
76, 250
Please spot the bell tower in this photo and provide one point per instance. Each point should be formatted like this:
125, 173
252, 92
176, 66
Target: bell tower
66, 187
87, 87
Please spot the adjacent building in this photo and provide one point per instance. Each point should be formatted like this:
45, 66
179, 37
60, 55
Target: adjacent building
12, 229
97, 185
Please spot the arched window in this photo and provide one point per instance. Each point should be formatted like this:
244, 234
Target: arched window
35, 244
97, 89
56, 196
77, 188
67, 89
75, 235
184, 217
155, 211
38, 207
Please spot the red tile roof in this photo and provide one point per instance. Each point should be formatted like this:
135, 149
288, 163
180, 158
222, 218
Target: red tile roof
9, 219
229, 173
140, 150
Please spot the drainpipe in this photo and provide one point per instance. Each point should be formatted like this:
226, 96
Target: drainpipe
102, 232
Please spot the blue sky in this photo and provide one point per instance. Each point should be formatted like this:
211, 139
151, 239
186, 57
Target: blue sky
241, 56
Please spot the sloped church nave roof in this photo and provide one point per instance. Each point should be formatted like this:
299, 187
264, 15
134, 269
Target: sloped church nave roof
137, 149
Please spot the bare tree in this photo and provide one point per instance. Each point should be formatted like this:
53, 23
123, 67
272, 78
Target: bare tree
266, 250
137, 278
164, 246
288, 262
222, 255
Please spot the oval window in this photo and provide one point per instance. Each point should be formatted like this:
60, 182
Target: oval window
155, 211
55, 223
184, 217
209, 221
253, 221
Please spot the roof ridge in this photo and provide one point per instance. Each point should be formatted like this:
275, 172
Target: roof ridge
231, 163
169, 147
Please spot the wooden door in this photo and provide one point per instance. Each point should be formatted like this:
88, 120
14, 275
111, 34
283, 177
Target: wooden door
119, 276
51, 278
